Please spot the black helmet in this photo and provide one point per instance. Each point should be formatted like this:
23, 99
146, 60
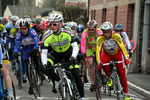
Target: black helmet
24, 23
38, 20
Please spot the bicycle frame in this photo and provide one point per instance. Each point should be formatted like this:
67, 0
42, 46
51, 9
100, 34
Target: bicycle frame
63, 76
117, 84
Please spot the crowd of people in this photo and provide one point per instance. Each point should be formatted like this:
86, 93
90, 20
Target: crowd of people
63, 41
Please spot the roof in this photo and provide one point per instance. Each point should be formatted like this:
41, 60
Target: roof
21, 11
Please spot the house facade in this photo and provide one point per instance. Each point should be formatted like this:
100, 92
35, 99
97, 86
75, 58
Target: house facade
129, 13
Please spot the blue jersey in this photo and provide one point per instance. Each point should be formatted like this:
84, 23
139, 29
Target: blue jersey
10, 25
28, 42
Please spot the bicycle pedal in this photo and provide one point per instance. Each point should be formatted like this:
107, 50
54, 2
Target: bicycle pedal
54, 91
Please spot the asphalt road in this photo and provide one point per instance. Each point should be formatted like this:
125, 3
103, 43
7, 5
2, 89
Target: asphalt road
46, 94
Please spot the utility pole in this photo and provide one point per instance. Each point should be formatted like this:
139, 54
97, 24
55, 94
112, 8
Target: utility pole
145, 36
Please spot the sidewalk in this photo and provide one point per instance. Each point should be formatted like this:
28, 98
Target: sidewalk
139, 82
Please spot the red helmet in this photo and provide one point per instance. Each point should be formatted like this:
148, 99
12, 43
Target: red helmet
44, 24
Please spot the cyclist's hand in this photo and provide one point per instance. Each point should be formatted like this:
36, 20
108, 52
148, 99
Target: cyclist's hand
126, 61
100, 65
130, 53
83, 56
44, 68
72, 59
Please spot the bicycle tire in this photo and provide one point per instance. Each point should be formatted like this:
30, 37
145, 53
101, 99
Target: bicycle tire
97, 83
33, 82
63, 89
20, 76
117, 87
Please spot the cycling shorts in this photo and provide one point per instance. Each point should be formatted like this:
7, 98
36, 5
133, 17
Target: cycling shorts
90, 52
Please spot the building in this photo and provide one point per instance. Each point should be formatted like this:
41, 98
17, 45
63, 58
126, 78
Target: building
21, 11
83, 3
134, 16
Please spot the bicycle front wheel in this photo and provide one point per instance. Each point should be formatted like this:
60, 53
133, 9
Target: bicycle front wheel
34, 82
63, 90
97, 83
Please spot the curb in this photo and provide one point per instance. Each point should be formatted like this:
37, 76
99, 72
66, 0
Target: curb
138, 89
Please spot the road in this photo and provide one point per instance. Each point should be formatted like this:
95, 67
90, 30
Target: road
22, 94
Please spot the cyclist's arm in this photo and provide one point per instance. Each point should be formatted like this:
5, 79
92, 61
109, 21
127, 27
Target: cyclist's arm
44, 55
118, 39
17, 42
75, 49
83, 42
35, 38
127, 40
99, 43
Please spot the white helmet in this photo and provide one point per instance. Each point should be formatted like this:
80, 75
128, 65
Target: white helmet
14, 18
28, 19
106, 26
18, 23
92, 23
55, 17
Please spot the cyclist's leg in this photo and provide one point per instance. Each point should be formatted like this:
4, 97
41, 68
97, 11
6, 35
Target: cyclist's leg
85, 70
90, 63
23, 66
121, 71
8, 81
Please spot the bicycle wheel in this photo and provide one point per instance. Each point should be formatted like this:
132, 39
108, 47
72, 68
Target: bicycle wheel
33, 82
97, 83
118, 87
63, 90
19, 75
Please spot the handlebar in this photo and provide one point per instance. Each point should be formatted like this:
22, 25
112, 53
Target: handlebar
117, 62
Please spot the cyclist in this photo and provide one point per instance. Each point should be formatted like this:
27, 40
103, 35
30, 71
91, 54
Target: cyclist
110, 45
119, 29
11, 25
88, 41
2, 20
37, 26
44, 27
63, 47
28, 39
26, 16
5, 60
80, 29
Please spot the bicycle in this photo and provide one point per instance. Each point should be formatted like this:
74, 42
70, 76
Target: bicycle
118, 90
19, 73
3, 89
33, 75
99, 79
67, 86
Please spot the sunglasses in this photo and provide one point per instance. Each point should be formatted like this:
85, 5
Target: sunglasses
54, 24
91, 29
106, 31
118, 30
24, 28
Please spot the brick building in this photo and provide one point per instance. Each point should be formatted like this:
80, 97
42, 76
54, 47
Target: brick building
124, 12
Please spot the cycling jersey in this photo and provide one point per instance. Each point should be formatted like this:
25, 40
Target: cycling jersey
126, 39
10, 26
3, 39
89, 41
61, 42
111, 46
28, 42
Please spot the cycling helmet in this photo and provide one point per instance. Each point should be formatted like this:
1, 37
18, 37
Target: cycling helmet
118, 26
44, 24
2, 19
73, 24
5, 19
38, 20
24, 23
92, 23
55, 17
14, 18
28, 19
106, 27
80, 28
18, 23
26, 16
